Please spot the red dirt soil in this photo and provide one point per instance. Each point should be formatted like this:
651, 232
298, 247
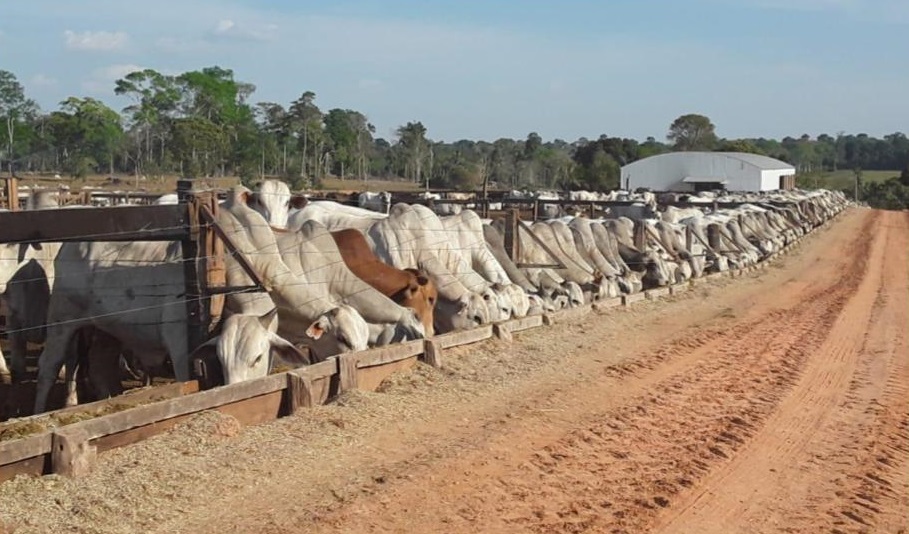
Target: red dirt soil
777, 402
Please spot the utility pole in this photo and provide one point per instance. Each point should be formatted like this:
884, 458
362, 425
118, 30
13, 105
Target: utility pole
858, 178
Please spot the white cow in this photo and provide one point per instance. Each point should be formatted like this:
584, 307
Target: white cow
134, 292
313, 255
466, 229
409, 239
166, 199
378, 202
272, 200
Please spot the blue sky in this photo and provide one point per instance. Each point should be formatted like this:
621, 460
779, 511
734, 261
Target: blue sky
490, 69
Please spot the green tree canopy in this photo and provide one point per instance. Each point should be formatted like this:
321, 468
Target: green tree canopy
692, 132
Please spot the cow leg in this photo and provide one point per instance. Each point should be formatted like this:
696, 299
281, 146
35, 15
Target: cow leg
51, 361
18, 346
5, 376
175, 344
76, 361
103, 365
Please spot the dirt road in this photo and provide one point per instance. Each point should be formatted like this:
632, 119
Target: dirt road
778, 402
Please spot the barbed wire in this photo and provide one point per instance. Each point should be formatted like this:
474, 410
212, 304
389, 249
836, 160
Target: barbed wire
400, 249
278, 288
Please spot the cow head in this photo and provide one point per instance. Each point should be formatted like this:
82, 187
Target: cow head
421, 295
248, 346
498, 304
469, 311
341, 329
272, 200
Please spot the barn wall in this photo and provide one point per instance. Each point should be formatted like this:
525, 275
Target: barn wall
770, 180
665, 172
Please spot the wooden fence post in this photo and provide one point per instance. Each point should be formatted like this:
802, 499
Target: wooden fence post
512, 239
197, 312
71, 453
12, 193
212, 263
640, 235
432, 353
713, 237
298, 394
347, 371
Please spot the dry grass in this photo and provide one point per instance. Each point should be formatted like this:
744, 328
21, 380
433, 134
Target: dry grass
168, 183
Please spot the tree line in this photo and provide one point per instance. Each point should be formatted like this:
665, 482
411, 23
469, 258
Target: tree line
205, 123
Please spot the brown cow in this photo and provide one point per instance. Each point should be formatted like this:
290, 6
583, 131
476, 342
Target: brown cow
408, 287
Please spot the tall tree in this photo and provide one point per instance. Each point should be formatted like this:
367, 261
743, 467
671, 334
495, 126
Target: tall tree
97, 130
155, 99
14, 109
305, 121
273, 121
412, 140
692, 132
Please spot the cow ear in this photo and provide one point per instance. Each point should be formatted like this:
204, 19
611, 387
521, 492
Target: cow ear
318, 328
410, 290
287, 352
268, 319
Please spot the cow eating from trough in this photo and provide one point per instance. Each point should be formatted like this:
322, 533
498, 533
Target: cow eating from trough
134, 292
410, 287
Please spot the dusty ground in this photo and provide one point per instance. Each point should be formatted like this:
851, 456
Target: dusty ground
773, 403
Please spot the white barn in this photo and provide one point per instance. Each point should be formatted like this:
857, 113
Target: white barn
698, 171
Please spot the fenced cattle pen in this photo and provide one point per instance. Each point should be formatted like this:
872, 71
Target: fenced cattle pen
76, 435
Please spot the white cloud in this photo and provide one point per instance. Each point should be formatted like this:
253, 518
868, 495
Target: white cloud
228, 29
97, 41
102, 80
43, 80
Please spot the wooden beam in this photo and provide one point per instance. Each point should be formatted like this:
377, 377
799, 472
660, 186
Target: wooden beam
135, 223
640, 235
432, 353
27, 447
389, 353
72, 454
214, 268
512, 242
12, 193
464, 337
167, 409
299, 393
347, 371
198, 318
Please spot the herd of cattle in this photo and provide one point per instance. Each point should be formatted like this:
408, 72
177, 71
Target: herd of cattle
342, 278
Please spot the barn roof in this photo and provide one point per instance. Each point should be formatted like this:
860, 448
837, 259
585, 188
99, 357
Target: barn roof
765, 163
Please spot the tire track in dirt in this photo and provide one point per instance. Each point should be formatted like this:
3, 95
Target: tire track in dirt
617, 471
735, 498
863, 477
